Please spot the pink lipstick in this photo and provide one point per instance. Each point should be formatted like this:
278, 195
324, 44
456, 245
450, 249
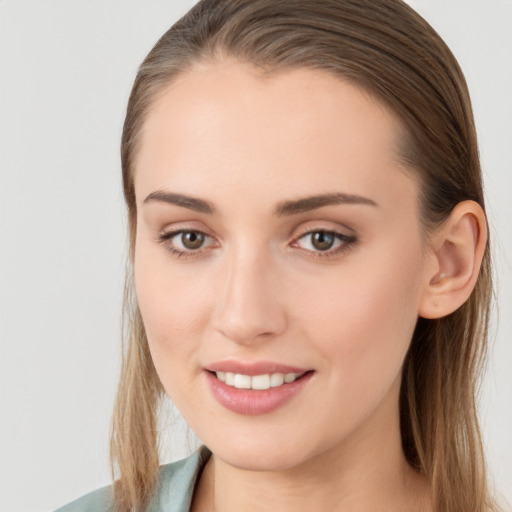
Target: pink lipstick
255, 388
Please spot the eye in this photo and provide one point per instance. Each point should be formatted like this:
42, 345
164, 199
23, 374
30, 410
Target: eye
191, 240
185, 242
323, 241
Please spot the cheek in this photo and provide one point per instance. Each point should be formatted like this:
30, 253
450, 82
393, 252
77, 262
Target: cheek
173, 313
362, 319
164, 309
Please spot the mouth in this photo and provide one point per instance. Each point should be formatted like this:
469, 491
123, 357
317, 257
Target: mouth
257, 388
257, 382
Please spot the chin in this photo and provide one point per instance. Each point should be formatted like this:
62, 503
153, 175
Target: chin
260, 453
260, 461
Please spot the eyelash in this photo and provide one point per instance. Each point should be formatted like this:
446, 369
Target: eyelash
164, 239
347, 243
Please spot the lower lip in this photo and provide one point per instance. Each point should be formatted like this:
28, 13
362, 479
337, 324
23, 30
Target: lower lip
252, 402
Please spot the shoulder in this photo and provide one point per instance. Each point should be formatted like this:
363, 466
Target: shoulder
96, 501
174, 492
177, 481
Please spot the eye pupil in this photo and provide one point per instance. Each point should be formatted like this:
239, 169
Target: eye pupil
322, 241
192, 239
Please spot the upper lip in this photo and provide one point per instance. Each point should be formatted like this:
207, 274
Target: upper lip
253, 368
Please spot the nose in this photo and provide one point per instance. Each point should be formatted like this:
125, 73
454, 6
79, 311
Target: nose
249, 307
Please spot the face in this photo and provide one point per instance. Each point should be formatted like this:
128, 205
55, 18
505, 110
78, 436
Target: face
278, 248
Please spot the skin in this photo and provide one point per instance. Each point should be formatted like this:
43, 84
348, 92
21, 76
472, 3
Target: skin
257, 289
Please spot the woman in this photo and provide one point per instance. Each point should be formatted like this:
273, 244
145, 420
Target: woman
310, 264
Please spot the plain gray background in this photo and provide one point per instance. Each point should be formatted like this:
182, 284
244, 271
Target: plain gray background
66, 70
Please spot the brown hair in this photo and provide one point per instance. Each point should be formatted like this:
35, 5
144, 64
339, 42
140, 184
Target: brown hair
386, 48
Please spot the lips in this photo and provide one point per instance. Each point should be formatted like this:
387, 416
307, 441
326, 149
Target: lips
255, 388
255, 368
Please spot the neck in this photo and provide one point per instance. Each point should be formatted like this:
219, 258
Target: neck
365, 472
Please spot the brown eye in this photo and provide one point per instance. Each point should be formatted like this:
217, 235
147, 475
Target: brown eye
192, 240
324, 243
186, 242
322, 240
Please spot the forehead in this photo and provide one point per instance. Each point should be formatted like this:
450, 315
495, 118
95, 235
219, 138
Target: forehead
301, 130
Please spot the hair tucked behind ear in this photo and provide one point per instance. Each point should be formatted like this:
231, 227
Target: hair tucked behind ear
384, 47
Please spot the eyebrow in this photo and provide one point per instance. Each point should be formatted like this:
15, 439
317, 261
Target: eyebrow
284, 208
191, 203
307, 204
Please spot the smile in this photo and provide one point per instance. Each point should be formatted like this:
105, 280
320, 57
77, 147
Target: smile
257, 382
257, 388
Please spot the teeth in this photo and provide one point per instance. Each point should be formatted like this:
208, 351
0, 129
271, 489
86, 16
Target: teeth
258, 382
242, 381
276, 379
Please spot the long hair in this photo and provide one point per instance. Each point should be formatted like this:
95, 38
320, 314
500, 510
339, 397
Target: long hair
387, 49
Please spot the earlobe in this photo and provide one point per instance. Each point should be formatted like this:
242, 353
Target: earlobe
458, 248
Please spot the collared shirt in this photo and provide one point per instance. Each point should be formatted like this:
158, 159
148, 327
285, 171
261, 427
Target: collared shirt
175, 488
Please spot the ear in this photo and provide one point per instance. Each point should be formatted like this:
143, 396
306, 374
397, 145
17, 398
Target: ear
458, 248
